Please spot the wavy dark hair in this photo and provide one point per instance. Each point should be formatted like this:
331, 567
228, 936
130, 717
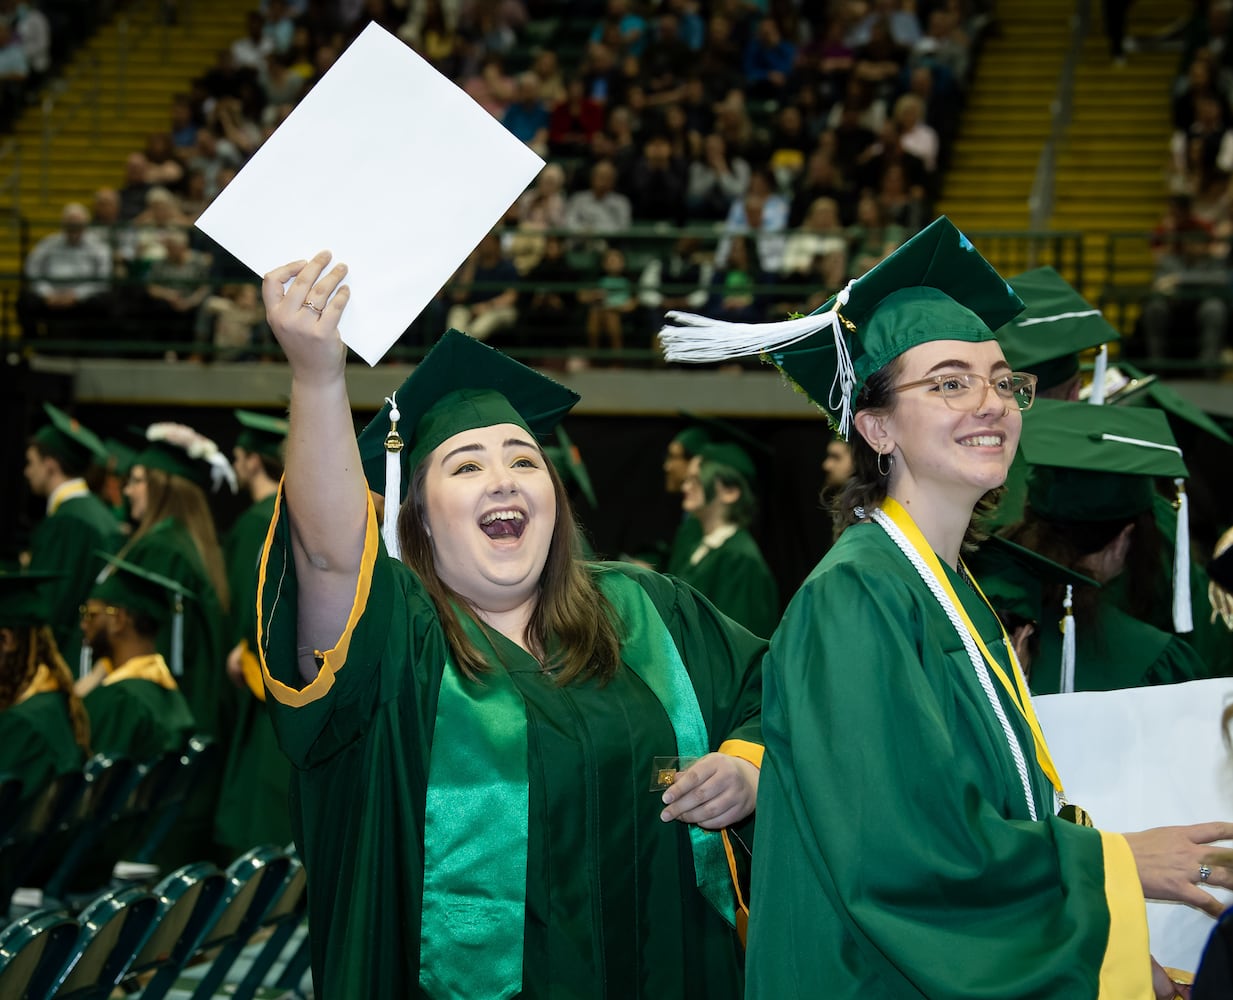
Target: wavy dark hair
866, 488
712, 476
36, 645
571, 629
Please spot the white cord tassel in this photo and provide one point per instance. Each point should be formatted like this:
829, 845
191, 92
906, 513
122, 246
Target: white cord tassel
1183, 613
1101, 366
1067, 683
696, 339
393, 481
177, 638
85, 662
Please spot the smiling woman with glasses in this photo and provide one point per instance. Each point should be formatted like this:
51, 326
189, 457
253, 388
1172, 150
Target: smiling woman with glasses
918, 825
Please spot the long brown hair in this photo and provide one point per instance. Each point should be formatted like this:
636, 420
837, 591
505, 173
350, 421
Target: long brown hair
570, 611
175, 497
36, 645
867, 486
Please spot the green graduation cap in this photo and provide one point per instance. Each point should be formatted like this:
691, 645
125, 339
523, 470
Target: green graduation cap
179, 450
1145, 390
718, 430
67, 440
126, 585
936, 286
1096, 463
123, 584
733, 457
24, 600
692, 440
1014, 577
460, 385
120, 457
261, 434
569, 464
1057, 323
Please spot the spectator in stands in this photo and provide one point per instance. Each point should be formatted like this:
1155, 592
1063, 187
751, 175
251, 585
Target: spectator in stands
915, 135
665, 58
489, 85
1190, 288
236, 126
68, 277
944, 50
33, 31
901, 201
230, 324
196, 196
821, 179
762, 211
485, 296
734, 286
677, 279
547, 69
879, 63
133, 193
210, 157
600, 208
527, 118
719, 64
716, 180
252, 50
899, 19
789, 145
162, 165
657, 183
873, 237
279, 28
623, 131
543, 205
14, 72
609, 304
280, 83
162, 216
303, 54
1200, 82
768, 61
733, 123
574, 121
546, 310
828, 62
176, 284
819, 249
108, 228
184, 126
621, 28
1205, 146
439, 39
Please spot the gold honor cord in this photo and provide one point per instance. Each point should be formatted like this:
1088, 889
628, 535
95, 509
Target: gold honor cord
1017, 690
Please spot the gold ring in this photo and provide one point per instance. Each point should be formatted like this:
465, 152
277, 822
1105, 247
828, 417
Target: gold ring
309, 305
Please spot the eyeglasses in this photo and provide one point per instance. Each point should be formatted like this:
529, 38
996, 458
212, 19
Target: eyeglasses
135, 480
966, 391
89, 614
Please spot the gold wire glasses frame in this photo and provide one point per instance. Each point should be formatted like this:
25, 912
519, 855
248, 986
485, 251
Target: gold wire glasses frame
87, 614
967, 390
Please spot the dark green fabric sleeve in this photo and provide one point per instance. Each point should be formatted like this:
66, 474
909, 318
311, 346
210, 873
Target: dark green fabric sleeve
36, 741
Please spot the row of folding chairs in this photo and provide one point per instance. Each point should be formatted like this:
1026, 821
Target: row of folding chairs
142, 940
77, 827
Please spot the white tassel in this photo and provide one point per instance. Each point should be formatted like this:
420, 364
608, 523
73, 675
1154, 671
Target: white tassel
393, 481
1101, 366
177, 638
1067, 682
85, 662
697, 340
1183, 613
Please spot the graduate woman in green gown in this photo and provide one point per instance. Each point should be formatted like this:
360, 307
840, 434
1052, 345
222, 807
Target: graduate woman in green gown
907, 792
726, 565
486, 732
44, 730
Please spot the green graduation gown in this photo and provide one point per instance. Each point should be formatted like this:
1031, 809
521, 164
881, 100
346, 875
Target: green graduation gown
684, 541
905, 863
1115, 651
36, 741
138, 718
168, 549
67, 542
252, 807
611, 906
735, 578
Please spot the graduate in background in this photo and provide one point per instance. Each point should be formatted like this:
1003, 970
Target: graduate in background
475, 724
727, 567
682, 450
135, 706
252, 806
78, 526
1091, 491
906, 788
44, 729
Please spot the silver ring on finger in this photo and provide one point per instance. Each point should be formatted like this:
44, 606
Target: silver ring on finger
1204, 873
314, 308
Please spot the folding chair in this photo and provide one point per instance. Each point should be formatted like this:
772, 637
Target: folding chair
113, 929
34, 951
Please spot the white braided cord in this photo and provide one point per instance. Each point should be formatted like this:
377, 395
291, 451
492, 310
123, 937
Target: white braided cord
969, 644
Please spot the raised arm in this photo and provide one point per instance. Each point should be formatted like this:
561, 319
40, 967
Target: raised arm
324, 487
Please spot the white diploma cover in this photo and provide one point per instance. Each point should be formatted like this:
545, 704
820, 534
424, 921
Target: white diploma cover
1145, 757
388, 165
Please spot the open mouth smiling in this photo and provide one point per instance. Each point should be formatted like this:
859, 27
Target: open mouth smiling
983, 441
505, 523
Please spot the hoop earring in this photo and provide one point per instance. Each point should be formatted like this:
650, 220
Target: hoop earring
890, 459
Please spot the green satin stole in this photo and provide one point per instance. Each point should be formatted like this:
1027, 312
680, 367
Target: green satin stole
471, 934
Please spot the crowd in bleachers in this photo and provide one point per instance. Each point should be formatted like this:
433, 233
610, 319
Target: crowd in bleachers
800, 143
